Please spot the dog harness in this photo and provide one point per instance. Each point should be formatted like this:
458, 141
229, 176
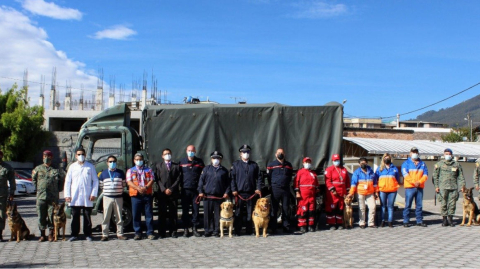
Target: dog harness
226, 219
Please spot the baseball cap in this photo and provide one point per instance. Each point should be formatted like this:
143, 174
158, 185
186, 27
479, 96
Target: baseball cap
307, 159
414, 149
335, 157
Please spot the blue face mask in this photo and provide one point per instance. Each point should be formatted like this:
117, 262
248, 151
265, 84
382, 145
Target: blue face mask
336, 163
112, 165
190, 154
139, 163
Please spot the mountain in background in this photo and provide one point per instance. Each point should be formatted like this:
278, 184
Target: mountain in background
455, 116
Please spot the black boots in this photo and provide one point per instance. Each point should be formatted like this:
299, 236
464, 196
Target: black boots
450, 221
444, 223
311, 229
195, 232
186, 232
382, 224
42, 236
303, 229
390, 224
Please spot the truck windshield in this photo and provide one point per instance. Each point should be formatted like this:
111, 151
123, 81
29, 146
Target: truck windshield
101, 145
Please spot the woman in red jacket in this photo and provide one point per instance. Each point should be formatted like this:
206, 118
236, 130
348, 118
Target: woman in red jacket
306, 186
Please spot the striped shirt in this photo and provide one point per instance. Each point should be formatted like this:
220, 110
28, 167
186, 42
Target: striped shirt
112, 182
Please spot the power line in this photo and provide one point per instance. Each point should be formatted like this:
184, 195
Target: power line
406, 113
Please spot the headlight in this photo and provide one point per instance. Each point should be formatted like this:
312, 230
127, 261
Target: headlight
23, 185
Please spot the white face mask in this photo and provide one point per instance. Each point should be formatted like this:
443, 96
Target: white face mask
81, 158
307, 165
245, 155
448, 157
167, 157
415, 156
215, 162
139, 163
336, 163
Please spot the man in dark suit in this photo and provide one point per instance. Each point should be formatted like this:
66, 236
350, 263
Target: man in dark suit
168, 176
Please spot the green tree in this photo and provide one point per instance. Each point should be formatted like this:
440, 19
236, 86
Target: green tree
21, 126
457, 135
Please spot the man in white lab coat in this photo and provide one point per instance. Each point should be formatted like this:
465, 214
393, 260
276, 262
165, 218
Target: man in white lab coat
81, 189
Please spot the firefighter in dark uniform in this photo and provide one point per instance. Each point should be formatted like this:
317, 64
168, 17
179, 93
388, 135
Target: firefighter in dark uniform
213, 186
246, 185
279, 174
191, 167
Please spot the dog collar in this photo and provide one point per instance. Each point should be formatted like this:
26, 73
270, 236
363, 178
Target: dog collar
226, 219
256, 215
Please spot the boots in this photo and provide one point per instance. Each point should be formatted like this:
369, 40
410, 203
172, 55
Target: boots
390, 224
303, 229
42, 236
195, 232
444, 223
450, 221
186, 232
51, 236
311, 229
382, 224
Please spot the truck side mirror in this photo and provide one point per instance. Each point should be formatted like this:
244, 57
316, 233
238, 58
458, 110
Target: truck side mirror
64, 160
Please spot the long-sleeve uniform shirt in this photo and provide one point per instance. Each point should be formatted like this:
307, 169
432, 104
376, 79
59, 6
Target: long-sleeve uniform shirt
476, 173
448, 175
246, 177
49, 181
364, 183
214, 181
414, 173
81, 183
336, 178
280, 174
191, 171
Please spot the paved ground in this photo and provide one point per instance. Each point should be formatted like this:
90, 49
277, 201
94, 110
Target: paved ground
413, 247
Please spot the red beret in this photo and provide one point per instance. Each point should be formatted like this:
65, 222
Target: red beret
48, 153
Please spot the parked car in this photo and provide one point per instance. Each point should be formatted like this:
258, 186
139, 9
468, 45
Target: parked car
31, 189
20, 190
23, 174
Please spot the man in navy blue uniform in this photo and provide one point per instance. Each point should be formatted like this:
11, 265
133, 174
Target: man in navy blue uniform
191, 167
279, 174
246, 185
214, 186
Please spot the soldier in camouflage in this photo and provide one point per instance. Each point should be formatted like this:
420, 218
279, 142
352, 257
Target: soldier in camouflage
49, 182
6, 175
447, 177
476, 174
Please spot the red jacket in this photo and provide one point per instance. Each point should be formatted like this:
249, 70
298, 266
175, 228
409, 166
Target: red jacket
333, 180
306, 182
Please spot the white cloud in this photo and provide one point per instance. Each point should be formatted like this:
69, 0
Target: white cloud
318, 9
26, 47
115, 32
40, 7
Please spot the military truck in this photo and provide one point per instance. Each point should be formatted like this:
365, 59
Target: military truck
313, 131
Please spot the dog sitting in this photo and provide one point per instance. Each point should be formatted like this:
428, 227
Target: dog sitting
18, 228
226, 218
261, 216
470, 209
348, 213
59, 220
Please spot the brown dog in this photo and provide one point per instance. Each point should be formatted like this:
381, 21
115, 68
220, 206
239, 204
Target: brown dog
261, 216
470, 209
348, 213
18, 228
59, 220
226, 218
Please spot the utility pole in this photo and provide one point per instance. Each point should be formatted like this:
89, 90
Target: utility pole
470, 125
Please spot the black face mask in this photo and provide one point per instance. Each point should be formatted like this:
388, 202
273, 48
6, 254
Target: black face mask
280, 156
363, 166
387, 161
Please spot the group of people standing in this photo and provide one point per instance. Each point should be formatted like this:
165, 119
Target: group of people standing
190, 180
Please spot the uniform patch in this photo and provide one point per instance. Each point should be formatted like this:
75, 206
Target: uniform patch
454, 169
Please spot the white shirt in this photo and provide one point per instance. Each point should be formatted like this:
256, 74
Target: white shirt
81, 182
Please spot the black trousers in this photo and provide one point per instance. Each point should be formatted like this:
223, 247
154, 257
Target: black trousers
211, 217
188, 200
280, 195
167, 208
240, 213
87, 220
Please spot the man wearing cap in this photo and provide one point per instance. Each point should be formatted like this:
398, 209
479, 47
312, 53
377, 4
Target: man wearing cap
49, 183
81, 189
140, 180
338, 185
415, 174
7, 175
191, 167
213, 186
246, 184
365, 184
279, 173
306, 187
447, 177
168, 177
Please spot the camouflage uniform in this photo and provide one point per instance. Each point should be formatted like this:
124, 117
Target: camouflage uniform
6, 174
448, 176
49, 182
476, 173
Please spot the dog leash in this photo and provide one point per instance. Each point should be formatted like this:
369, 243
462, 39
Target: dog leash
199, 198
246, 199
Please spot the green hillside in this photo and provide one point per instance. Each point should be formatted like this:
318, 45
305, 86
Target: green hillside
455, 115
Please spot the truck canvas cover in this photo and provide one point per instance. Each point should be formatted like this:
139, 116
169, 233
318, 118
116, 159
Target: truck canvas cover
313, 131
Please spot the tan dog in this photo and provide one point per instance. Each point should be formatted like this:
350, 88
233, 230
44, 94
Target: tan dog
261, 216
226, 218
18, 228
348, 213
470, 209
59, 220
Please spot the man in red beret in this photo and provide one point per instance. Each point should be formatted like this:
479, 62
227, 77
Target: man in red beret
338, 185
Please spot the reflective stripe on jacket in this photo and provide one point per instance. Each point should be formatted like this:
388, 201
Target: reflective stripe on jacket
364, 183
414, 173
388, 179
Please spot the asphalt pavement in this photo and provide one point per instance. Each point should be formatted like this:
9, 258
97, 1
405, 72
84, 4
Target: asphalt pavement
433, 247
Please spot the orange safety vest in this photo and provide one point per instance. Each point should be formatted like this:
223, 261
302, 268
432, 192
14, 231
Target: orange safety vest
134, 174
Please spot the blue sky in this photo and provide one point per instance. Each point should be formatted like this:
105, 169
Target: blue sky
384, 57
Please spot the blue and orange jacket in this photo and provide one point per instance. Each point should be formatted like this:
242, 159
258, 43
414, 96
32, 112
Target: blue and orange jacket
388, 179
361, 179
414, 173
